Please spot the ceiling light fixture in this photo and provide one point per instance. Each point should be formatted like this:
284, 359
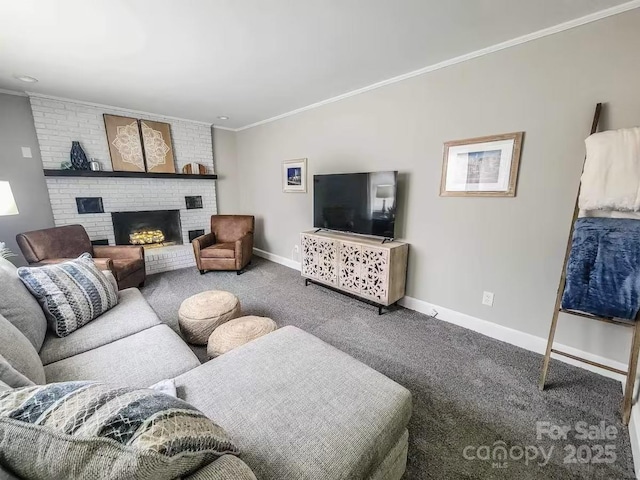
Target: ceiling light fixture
26, 78
223, 117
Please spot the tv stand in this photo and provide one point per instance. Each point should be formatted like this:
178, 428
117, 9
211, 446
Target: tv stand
360, 267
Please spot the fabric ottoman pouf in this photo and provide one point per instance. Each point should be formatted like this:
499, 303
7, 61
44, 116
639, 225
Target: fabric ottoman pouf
200, 314
238, 332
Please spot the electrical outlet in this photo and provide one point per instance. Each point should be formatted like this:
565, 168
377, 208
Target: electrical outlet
487, 298
296, 249
26, 152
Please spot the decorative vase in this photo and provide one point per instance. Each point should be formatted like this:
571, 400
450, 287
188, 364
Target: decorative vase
78, 157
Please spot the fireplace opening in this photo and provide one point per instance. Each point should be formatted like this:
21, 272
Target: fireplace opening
152, 228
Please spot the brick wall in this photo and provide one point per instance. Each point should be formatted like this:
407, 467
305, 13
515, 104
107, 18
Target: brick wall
59, 122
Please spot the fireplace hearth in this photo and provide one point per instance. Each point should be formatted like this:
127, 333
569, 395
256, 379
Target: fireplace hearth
150, 228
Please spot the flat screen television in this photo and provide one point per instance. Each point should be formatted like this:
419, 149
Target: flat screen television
363, 203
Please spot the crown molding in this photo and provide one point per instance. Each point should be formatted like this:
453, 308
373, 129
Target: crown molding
112, 107
13, 92
545, 32
228, 129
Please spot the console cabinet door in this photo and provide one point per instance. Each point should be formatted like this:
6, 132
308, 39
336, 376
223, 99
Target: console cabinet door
320, 259
374, 273
309, 256
327, 255
349, 267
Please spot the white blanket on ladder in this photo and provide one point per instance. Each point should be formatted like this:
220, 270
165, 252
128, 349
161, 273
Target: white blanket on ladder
611, 177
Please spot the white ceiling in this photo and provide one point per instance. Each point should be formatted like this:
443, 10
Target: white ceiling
248, 59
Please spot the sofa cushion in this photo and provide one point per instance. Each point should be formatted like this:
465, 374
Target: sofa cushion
219, 250
227, 467
71, 293
139, 360
18, 352
126, 266
299, 408
11, 377
19, 307
132, 315
91, 430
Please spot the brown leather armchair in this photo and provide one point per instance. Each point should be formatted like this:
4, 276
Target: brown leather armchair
229, 246
54, 245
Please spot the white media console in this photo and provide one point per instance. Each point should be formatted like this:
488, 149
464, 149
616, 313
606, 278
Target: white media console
360, 266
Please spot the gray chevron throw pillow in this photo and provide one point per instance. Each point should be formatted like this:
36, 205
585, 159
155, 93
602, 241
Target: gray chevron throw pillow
71, 293
92, 430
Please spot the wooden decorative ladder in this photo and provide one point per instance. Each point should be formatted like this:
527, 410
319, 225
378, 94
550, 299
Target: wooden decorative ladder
635, 344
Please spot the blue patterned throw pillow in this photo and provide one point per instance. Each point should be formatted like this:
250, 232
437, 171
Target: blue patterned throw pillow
91, 430
71, 293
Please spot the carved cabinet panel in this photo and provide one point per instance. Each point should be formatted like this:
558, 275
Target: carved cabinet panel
361, 267
309, 260
375, 273
320, 259
349, 267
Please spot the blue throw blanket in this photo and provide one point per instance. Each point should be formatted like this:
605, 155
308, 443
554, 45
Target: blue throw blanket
603, 273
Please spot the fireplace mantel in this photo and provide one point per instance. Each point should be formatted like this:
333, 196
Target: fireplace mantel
104, 173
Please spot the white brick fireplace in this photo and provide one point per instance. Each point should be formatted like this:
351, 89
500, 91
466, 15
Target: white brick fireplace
59, 122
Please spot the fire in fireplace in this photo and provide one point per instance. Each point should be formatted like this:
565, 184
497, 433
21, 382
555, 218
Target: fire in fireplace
153, 228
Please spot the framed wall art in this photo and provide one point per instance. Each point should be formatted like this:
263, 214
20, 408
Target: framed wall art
481, 167
294, 176
158, 149
125, 146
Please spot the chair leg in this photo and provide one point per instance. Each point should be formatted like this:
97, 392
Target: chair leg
141, 284
239, 272
631, 375
547, 355
201, 272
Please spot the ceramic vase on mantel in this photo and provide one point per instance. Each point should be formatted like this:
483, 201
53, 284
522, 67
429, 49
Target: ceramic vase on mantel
78, 157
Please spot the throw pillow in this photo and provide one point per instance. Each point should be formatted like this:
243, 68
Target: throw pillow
71, 293
111, 278
88, 430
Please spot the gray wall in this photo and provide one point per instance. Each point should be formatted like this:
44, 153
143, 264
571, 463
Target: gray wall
225, 161
24, 174
513, 247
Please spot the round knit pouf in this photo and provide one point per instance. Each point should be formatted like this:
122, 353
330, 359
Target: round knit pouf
200, 314
238, 332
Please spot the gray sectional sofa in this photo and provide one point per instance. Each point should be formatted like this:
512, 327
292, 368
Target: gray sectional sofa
296, 407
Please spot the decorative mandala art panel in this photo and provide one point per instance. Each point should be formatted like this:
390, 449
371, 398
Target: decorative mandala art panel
158, 150
125, 145
349, 268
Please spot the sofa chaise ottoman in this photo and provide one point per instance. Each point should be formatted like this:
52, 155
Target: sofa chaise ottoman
297, 407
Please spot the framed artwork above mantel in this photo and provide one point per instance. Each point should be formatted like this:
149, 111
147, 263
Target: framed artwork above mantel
482, 166
139, 145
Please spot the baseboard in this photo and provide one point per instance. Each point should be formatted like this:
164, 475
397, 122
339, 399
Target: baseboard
277, 259
509, 335
514, 337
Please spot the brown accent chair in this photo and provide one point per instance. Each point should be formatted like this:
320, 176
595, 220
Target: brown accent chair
55, 245
229, 246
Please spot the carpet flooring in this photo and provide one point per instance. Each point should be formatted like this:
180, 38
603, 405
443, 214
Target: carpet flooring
471, 394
